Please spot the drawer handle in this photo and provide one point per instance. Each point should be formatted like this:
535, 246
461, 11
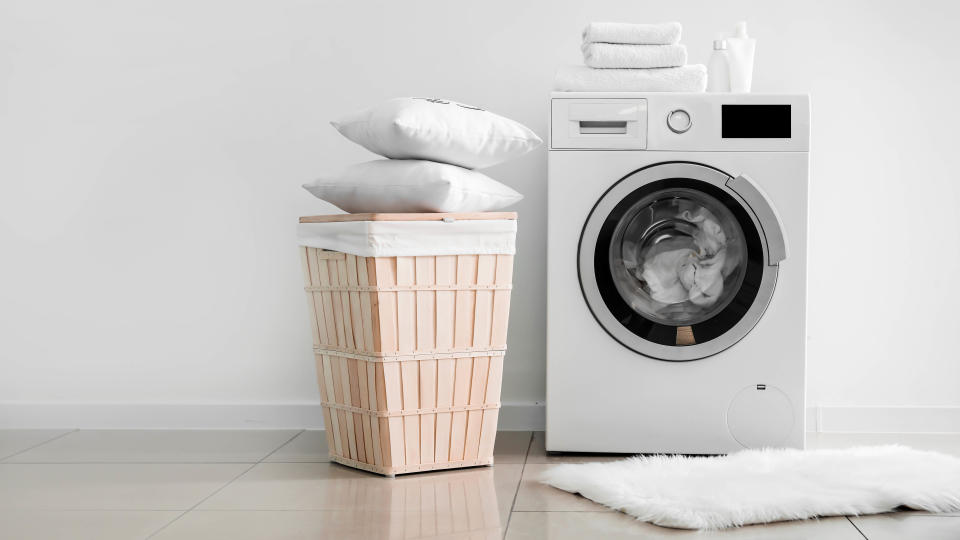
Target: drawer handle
602, 127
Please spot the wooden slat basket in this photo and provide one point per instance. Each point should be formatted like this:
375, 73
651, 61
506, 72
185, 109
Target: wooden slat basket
409, 355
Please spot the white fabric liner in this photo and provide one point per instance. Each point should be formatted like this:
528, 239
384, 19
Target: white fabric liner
409, 238
762, 486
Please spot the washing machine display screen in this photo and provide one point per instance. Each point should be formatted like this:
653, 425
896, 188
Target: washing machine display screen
755, 121
678, 256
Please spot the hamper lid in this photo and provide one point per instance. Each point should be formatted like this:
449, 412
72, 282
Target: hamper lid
391, 235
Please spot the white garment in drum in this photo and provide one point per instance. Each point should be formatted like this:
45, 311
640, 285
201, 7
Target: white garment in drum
681, 269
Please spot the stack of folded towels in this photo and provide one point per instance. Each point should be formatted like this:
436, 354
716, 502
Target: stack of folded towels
632, 58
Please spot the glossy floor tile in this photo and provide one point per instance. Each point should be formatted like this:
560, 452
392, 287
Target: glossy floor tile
613, 526
903, 525
158, 446
280, 485
310, 446
82, 524
13, 441
330, 486
512, 446
111, 486
325, 525
295, 486
534, 496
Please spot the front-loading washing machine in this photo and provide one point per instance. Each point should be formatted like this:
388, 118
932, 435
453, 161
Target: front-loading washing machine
676, 272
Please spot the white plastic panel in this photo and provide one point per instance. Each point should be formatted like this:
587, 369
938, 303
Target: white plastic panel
766, 214
703, 135
760, 416
609, 123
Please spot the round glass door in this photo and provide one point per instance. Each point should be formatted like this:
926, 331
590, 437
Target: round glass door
678, 256
673, 262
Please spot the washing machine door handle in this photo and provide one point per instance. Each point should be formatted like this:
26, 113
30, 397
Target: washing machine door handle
766, 214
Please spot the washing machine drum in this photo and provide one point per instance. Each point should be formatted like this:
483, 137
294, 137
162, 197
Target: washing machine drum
678, 261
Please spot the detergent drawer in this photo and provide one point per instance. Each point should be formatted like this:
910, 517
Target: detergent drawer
608, 124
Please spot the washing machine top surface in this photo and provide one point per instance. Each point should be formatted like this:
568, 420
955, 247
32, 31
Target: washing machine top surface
693, 95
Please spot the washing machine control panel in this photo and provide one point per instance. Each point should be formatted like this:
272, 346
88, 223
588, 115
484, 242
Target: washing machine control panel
679, 121
669, 121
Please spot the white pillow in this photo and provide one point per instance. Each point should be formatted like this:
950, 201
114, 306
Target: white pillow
410, 185
438, 130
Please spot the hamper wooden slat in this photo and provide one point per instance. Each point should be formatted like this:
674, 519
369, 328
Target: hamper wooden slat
409, 353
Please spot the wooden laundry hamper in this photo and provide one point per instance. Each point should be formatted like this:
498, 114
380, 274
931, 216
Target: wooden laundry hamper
409, 352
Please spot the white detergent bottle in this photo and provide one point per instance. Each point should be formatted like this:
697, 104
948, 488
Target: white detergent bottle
740, 49
718, 69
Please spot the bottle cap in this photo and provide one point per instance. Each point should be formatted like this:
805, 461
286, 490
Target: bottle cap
719, 44
741, 30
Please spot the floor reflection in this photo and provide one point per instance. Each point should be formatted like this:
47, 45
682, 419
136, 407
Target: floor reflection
444, 504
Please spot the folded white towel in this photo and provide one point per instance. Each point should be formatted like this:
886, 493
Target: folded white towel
692, 78
614, 55
636, 34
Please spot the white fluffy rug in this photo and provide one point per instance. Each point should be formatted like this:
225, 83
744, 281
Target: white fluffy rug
760, 486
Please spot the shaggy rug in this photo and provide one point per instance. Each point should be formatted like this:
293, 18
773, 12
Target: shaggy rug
761, 486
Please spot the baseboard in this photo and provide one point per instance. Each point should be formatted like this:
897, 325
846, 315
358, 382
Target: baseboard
520, 416
884, 419
161, 416
514, 416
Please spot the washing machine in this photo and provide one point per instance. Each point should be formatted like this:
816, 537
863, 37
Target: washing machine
676, 272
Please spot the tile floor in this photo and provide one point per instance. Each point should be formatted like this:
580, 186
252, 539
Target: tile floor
280, 484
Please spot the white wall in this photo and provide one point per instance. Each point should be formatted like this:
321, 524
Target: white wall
151, 157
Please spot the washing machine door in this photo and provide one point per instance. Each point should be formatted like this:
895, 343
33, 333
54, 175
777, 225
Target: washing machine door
678, 261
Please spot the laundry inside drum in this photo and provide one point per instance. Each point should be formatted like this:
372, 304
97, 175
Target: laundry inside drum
678, 256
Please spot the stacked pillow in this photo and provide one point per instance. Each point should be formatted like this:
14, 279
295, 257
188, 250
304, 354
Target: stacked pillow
433, 145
